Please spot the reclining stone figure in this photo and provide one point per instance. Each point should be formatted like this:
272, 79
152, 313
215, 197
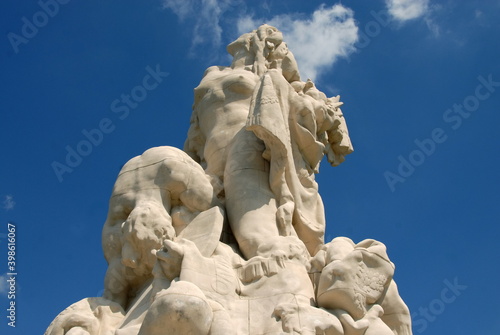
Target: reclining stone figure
148, 187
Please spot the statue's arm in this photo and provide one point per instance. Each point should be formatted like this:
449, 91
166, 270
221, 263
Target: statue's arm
195, 141
338, 142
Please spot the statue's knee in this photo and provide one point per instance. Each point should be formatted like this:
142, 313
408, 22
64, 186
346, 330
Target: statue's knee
77, 331
181, 309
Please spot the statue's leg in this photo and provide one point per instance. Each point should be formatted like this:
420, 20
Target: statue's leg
396, 313
250, 203
116, 285
222, 323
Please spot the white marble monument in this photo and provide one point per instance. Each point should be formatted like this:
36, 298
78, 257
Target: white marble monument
227, 236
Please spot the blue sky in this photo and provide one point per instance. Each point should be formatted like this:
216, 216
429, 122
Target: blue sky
420, 82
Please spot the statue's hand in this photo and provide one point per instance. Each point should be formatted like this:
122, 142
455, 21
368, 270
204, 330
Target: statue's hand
170, 258
89, 316
307, 320
351, 326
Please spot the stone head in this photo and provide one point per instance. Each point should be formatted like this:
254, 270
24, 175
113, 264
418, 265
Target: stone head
144, 231
271, 35
244, 46
240, 48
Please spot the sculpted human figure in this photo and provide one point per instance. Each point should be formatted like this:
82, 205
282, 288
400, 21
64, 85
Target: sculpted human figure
146, 190
266, 194
89, 316
297, 128
219, 294
220, 110
222, 100
190, 301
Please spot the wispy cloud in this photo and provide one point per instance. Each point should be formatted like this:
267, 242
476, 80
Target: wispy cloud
205, 16
433, 27
404, 10
181, 8
316, 41
3, 285
8, 202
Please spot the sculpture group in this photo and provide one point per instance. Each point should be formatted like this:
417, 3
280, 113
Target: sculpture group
227, 235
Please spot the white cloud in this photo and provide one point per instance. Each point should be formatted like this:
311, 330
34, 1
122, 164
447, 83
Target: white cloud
246, 24
181, 8
205, 15
404, 10
316, 42
8, 202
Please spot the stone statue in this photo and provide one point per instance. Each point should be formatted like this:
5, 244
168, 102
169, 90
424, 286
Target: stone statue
148, 187
249, 126
227, 236
355, 283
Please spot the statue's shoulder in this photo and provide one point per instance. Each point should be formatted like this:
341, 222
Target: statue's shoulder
215, 68
153, 156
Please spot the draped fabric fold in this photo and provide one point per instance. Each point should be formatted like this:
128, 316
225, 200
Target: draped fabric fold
273, 119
